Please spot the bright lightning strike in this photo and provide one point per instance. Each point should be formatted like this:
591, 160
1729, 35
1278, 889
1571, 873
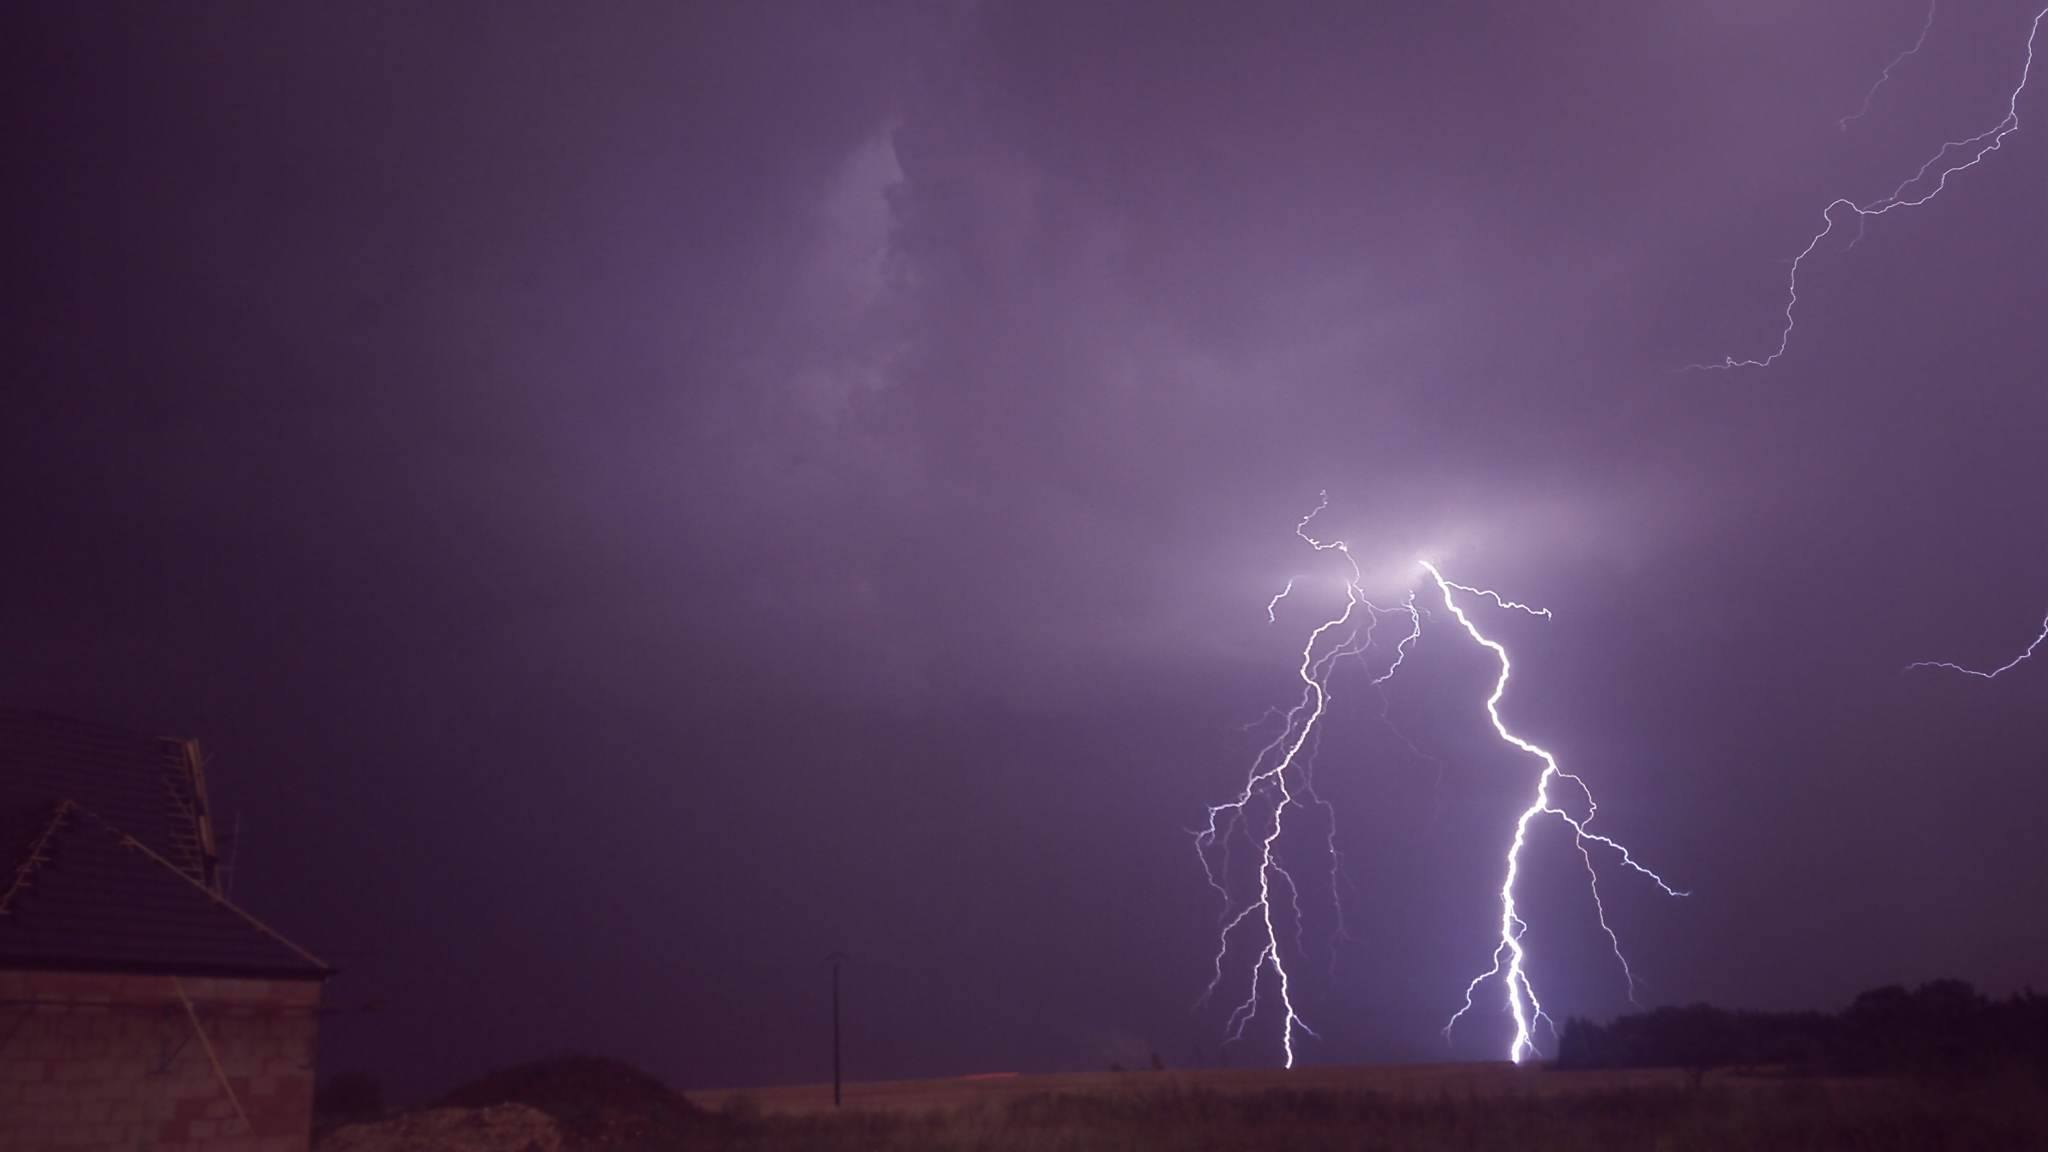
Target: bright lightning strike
1995, 673
1269, 784
1280, 781
1976, 148
1509, 956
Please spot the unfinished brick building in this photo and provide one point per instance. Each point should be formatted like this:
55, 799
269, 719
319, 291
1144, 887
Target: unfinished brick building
139, 1007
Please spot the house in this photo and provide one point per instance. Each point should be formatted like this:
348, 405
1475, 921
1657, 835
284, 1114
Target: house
139, 1006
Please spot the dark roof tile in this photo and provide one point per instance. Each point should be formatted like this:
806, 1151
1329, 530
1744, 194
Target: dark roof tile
103, 868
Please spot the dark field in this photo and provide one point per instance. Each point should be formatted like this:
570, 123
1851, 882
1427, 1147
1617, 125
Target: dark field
1422, 1107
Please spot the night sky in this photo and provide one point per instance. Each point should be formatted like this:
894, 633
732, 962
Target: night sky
636, 498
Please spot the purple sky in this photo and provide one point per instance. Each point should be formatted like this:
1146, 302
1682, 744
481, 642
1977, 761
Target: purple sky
636, 499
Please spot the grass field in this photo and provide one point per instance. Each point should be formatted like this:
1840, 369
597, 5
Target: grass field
1422, 1107
1405, 1081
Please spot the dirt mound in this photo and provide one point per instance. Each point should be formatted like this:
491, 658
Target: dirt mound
597, 1102
501, 1128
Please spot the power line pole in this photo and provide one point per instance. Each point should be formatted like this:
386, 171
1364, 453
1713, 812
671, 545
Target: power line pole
836, 958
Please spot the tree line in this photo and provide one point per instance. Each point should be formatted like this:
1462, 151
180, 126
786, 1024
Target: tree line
1944, 1027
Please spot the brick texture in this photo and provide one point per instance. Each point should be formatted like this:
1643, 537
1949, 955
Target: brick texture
93, 1062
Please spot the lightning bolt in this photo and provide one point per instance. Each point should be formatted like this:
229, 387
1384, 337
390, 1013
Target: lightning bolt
1509, 955
1976, 148
1281, 778
1277, 598
1995, 673
1401, 655
1401, 649
1271, 781
1885, 78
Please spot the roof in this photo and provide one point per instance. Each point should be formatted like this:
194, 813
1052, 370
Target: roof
107, 859
141, 784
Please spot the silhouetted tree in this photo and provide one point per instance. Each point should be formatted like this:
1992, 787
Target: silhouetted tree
1941, 1028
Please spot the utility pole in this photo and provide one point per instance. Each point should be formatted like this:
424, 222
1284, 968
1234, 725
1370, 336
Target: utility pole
836, 958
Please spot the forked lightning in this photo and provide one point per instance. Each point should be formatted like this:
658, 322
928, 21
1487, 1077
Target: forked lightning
1279, 781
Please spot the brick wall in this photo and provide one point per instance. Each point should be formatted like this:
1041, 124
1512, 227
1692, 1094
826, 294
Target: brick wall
92, 1061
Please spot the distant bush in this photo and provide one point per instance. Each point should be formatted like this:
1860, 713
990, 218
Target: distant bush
1944, 1028
594, 1100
